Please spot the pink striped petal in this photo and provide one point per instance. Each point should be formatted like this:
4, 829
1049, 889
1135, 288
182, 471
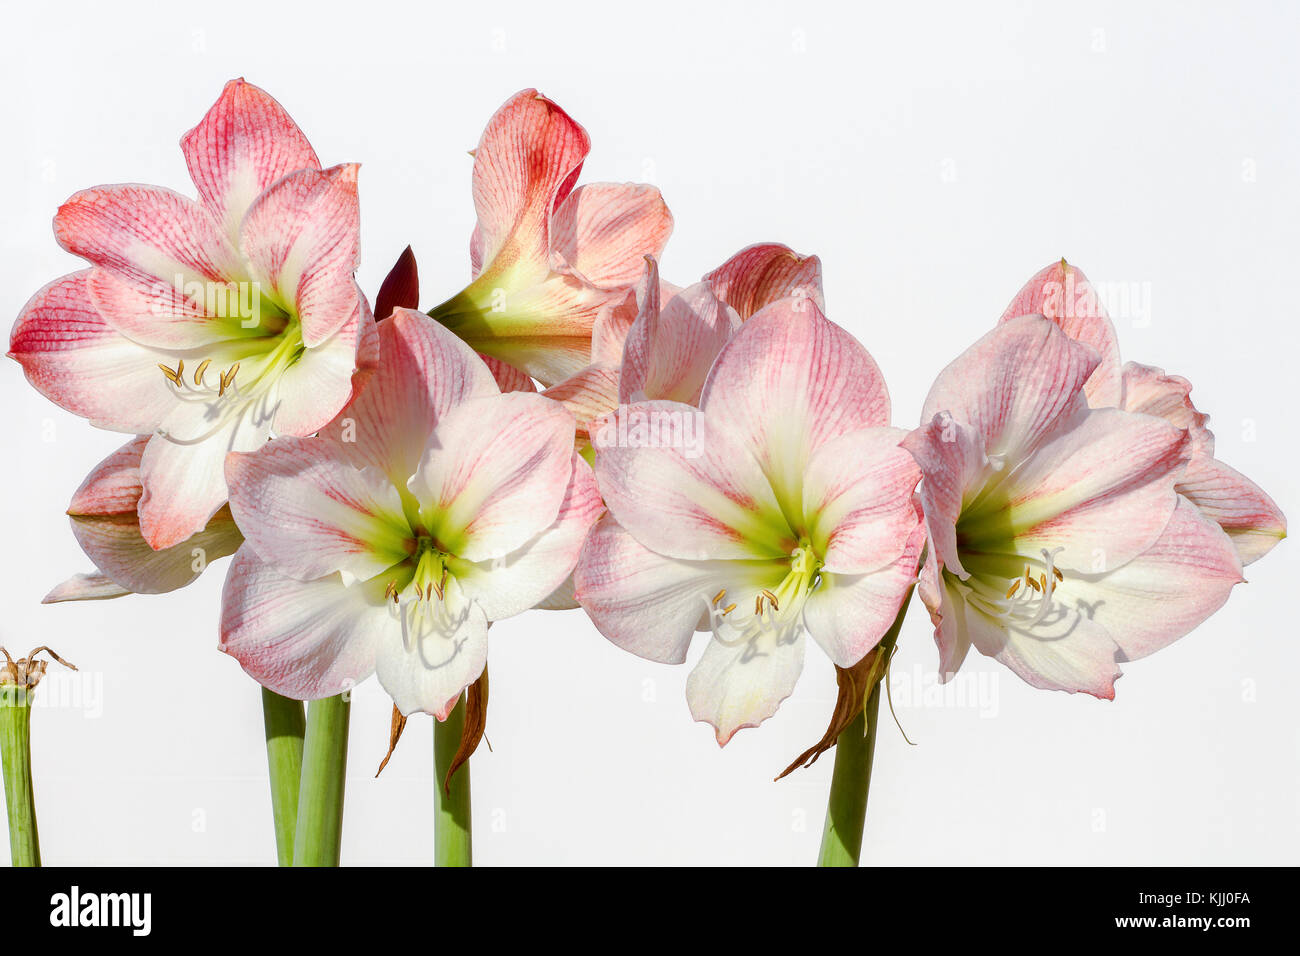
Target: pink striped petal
589, 395
952, 461
167, 253
106, 525
669, 351
427, 669
309, 513
1102, 491
604, 231
788, 382
1151, 392
494, 474
525, 165
1252, 520
734, 686
1164, 592
1063, 294
947, 613
508, 378
761, 274
857, 500
645, 603
527, 577
610, 327
184, 480
848, 614
686, 487
1014, 386
79, 362
424, 371
302, 238
245, 143
315, 388
305, 640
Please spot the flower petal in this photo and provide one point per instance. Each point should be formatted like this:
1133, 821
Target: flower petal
308, 512
669, 351
1164, 592
244, 143
424, 371
1063, 294
857, 500
106, 525
93, 586
761, 274
788, 382
952, 461
508, 378
430, 665
1252, 520
76, 360
741, 685
1101, 491
645, 603
302, 238
524, 166
305, 640
166, 250
1015, 385
1150, 391
589, 395
494, 474
184, 481
685, 487
527, 577
848, 614
312, 390
603, 231
943, 599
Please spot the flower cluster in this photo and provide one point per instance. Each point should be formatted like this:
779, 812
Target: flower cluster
572, 430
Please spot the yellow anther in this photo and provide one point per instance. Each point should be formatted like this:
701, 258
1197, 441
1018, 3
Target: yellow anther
228, 379
1032, 583
180, 368
717, 598
771, 597
1057, 573
1015, 586
198, 372
170, 373
1042, 579
728, 609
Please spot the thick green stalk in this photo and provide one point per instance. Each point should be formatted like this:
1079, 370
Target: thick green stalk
16, 752
451, 827
324, 771
846, 810
285, 726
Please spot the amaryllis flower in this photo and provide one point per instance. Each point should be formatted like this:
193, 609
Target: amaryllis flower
433, 505
1059, 543
781, 505
548, 259
1246, 513
106, 524
211, 325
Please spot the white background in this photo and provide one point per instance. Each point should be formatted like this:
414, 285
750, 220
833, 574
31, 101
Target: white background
934, 157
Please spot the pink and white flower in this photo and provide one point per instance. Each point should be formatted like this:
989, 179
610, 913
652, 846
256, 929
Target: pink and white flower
206, 325
1062, 293
433, 505
782, 504
549, 260
1059, 542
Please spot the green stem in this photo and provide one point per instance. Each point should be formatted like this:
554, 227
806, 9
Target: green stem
324, 770
16, 751
846, 810
285, 726
451, 828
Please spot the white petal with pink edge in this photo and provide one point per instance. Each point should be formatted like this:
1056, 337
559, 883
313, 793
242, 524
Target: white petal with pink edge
603, 231
303, 640
741, 685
